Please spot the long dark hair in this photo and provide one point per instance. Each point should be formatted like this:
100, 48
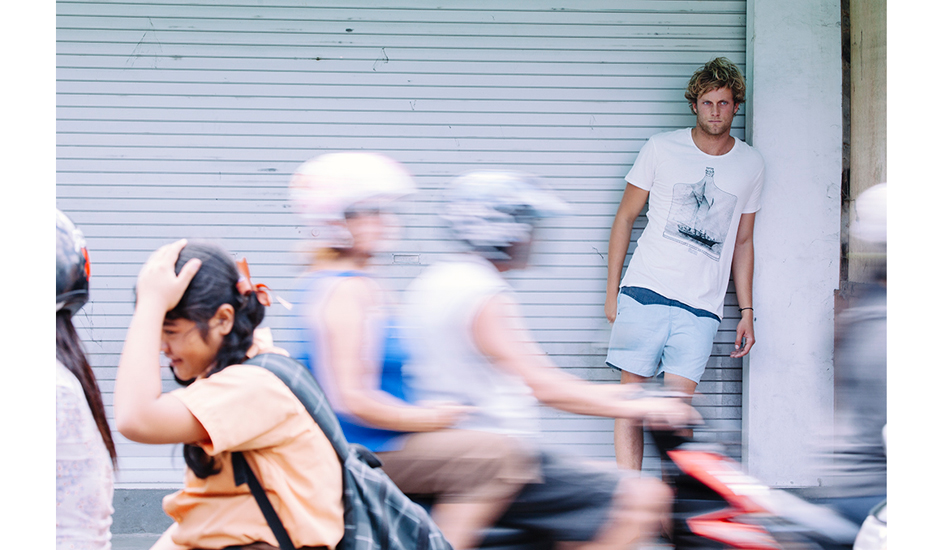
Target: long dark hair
214, 285
70, 353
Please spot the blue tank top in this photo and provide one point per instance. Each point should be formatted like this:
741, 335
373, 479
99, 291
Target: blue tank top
393, 356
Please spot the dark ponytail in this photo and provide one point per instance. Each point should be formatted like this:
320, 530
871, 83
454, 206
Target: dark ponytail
69, 352
214, 285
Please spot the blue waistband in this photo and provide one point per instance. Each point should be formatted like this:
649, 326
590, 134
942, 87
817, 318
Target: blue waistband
647, 297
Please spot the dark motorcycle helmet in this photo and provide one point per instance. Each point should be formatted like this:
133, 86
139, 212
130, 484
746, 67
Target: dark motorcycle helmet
72, 266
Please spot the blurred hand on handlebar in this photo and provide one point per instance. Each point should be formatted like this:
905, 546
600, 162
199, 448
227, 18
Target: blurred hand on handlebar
665, 412
440, 415
656, 408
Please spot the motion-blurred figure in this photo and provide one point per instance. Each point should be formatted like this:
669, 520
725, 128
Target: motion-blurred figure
470, 346
855, 464
354, 349
85, 452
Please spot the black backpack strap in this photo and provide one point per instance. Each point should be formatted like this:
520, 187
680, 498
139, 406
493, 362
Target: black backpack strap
243, 474
293, 374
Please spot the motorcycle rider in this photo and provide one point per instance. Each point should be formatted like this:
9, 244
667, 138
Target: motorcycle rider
353, 347
855, 468
85, 452
469, 345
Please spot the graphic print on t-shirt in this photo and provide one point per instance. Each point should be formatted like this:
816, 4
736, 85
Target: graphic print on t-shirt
700, 215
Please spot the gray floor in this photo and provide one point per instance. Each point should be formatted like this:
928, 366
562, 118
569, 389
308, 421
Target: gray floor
145, 541
139, 520
134, 542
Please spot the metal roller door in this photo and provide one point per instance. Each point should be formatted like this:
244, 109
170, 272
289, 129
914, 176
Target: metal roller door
185, 119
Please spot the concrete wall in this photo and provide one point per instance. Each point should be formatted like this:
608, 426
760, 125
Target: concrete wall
795, 110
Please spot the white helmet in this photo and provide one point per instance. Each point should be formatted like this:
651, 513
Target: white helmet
491, 210
326, 188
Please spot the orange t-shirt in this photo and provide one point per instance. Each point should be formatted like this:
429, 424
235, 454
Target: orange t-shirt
246, 408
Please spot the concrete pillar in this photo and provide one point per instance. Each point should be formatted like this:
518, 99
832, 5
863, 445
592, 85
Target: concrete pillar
868, 117
796, 121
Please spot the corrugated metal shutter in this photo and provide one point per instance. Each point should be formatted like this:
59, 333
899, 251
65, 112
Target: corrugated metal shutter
185, 119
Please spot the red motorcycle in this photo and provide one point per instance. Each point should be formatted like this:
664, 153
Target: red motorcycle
718, 506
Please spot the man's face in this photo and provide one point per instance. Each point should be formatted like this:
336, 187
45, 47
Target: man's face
715, 110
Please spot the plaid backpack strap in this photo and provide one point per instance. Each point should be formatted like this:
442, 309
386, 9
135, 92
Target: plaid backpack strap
303, 385
378, 515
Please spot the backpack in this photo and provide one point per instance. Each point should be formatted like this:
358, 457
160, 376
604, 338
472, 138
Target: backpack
376, 514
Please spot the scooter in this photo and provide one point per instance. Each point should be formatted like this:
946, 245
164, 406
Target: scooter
718, 506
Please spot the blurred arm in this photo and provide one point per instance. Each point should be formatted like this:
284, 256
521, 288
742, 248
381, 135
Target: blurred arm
500, 334
345, 318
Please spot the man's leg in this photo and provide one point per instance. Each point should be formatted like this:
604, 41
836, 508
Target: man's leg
679, 384
628, 433
687, 353
636, 342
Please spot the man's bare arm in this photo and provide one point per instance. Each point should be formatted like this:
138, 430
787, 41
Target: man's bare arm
633, 201
743, 261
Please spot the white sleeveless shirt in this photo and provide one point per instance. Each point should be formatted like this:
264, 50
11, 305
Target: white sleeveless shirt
445, 364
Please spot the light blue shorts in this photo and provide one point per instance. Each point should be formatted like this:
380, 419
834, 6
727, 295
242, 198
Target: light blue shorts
648, 339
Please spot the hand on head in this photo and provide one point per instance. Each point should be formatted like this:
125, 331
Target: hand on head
157, 281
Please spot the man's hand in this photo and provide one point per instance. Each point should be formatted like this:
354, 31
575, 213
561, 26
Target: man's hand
610, 306
745, 332
743, 260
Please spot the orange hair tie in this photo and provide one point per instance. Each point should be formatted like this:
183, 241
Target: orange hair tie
245, 287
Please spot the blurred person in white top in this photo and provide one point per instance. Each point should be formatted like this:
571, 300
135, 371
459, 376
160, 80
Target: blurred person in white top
470, 346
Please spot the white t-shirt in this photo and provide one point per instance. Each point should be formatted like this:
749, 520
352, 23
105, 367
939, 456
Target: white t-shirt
696, 200
446, 365
84, 476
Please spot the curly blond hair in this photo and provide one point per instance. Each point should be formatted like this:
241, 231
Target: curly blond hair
718, 73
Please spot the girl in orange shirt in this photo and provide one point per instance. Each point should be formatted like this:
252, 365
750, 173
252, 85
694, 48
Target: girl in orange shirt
197, 308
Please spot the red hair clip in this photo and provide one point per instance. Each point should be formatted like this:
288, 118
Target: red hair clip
244, 285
